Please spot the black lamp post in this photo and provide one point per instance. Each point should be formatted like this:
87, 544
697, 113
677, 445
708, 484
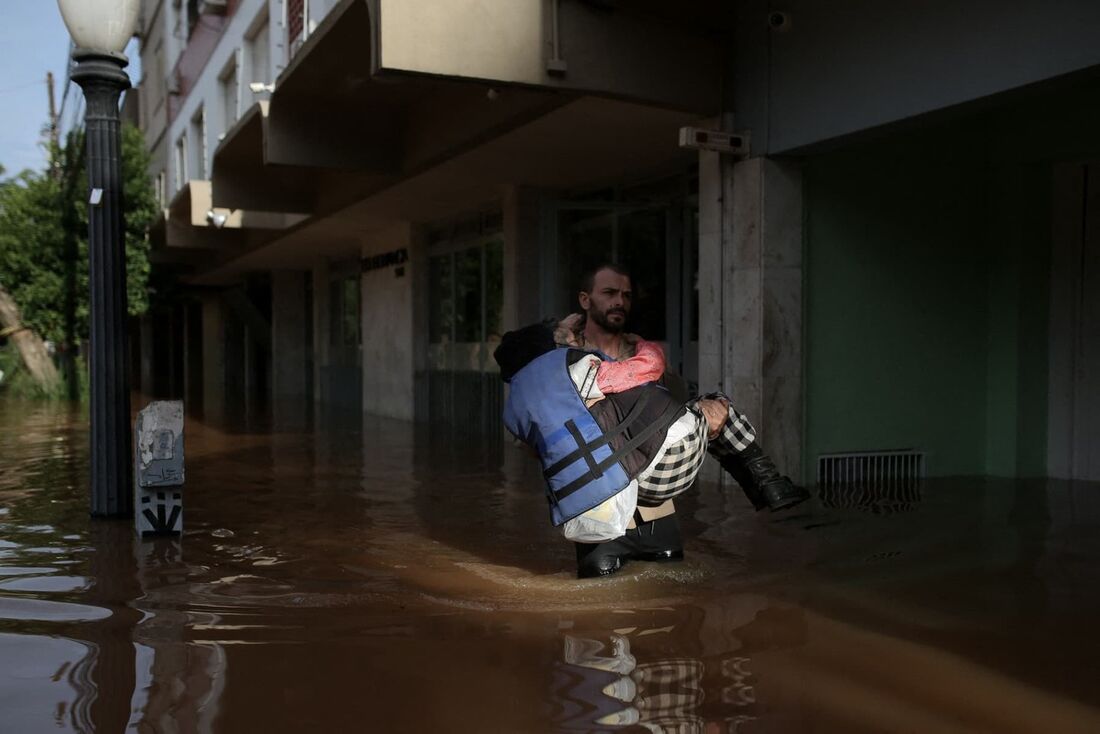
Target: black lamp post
101, 29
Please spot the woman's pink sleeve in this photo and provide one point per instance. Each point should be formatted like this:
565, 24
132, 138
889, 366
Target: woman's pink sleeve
647, 365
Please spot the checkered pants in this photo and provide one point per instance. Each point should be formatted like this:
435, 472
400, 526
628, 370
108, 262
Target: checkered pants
676, 470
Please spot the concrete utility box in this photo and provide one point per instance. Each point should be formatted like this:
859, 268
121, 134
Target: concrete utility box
158, 469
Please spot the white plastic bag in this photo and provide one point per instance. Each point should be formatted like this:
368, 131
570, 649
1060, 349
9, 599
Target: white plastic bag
605, 521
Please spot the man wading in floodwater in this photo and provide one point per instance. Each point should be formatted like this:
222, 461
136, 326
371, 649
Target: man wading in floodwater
616, 445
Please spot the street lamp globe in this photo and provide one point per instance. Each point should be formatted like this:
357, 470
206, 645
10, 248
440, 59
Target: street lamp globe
100, 25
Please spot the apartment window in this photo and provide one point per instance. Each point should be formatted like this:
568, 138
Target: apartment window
160, 187
231, 93
192, 16
259, 52
198, 145
181, 162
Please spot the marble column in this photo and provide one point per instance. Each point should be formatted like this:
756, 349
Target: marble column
322, 334
750, 293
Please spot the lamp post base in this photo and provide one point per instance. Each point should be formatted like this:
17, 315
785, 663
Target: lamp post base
102, 77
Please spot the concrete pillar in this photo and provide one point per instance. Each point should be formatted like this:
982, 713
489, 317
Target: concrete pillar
159, 469
174, 352
192, 355
236, 384
213, 357
750, 295
322, 327
252, 358
289, 361
711, 278
389, 317
419, 255
522, 257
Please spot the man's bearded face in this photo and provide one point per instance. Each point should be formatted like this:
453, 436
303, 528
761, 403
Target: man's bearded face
608, 304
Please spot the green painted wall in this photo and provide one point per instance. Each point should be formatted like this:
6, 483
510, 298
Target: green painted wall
1016, 360
926, 302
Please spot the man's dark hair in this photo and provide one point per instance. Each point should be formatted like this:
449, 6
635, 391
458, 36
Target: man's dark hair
588, 280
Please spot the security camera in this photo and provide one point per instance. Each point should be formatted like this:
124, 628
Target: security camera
779, 21
260, 87
217, 219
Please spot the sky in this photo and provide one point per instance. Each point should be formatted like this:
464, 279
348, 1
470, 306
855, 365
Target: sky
33, 41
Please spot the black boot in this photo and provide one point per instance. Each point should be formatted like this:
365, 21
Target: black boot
658, 541
761, 481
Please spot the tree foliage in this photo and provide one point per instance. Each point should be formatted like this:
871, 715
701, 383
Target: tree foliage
44, 237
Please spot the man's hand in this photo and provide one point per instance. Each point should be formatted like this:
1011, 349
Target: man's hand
717, 412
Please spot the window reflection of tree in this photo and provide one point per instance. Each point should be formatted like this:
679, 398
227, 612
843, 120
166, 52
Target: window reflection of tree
465, 302
466, 298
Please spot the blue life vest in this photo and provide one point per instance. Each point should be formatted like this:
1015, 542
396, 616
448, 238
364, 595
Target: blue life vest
545, 411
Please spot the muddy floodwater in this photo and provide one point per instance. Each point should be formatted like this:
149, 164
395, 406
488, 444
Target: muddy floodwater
365, 577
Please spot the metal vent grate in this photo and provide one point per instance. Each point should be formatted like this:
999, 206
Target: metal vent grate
879, 481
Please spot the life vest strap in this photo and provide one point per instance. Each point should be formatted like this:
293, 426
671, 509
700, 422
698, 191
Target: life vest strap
666, 417
585, 449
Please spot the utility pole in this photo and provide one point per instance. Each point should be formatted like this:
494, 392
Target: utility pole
54, 128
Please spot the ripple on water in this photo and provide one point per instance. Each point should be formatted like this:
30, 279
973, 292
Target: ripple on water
40, 610
47, 584
25, 570
37, 680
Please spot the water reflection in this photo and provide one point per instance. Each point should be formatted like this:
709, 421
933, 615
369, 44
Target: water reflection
45, 684
178, 683
880, 498
673, 669
611, 688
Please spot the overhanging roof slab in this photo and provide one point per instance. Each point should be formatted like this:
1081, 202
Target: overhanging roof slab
588, 143
242, 178
331, 110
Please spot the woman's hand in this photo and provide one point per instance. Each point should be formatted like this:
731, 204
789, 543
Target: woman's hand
567, 330
717, 412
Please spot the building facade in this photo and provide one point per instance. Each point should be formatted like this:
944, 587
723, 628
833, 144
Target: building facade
362, 195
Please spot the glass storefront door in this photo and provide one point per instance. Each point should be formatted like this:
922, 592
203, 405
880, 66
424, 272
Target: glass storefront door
342, 377
462, 387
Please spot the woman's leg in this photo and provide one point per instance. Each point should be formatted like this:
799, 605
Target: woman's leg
733, 442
